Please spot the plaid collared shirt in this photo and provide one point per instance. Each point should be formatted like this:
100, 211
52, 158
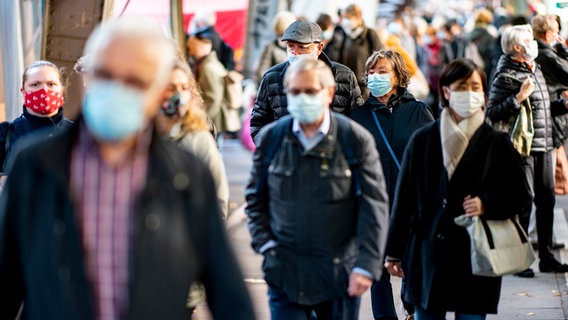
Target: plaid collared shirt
105, 197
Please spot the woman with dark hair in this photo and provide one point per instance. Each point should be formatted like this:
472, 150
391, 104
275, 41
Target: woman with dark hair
457, 165
391, 114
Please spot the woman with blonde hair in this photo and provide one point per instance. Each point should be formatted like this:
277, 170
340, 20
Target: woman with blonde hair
182, 118
275, 52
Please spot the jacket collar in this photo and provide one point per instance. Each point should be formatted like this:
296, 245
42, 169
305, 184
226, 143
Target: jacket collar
36, 121
400, 95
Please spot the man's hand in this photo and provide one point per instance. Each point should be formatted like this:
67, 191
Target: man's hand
358, 284
394, 268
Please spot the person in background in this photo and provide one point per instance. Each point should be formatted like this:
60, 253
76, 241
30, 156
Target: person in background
353, 43
518, 78
183, 120
321, 239
304, 41
210, 75
203, 22
391, 114
457, 165
431, 63
555, 71
42, 113
123, 221
481, 37
326, 24
275, 52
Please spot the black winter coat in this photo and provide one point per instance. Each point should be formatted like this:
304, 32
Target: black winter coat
271, 103
555, 71
502, 103
42, 259
399, 118
26, 124
309, 208
439, 274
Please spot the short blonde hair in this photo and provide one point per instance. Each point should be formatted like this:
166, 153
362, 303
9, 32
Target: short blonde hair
281, 21
483, 16
544, 23
353, 10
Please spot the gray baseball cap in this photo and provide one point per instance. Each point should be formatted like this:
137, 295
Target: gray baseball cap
303, 31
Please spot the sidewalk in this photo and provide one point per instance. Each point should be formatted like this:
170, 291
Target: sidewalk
544, 297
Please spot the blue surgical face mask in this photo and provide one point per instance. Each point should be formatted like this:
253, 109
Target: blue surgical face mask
379, 84
306, 108
113, 111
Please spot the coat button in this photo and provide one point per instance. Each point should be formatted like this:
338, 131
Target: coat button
152, 222
59, 228
336, 260
347, 172
181, 181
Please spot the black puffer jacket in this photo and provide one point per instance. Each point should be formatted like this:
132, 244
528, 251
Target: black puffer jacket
503, 105
399, 118
271, 103
555, 71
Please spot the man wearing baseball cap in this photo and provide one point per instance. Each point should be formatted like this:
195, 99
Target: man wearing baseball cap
304, 41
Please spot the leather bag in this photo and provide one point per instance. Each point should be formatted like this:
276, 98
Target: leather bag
498, 247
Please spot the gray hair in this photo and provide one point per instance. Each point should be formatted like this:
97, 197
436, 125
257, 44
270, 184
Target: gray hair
323, 71
141, 28
512, 35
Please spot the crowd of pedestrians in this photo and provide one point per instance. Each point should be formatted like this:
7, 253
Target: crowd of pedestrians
369, 142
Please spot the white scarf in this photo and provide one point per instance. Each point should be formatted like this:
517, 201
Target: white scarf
455, 137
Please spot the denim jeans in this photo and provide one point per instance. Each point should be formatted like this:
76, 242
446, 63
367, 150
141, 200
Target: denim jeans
343, 308
421, 314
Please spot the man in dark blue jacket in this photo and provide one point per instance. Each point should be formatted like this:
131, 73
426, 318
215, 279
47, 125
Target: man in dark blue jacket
319, 217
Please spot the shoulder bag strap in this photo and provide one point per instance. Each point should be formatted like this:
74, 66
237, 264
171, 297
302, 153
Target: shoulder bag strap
385, 140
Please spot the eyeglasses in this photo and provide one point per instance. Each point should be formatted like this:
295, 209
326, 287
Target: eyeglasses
295, 91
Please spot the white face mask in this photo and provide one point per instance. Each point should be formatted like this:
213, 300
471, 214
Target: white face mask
347, 25
466, 103
306, 108
531, 50
295, 57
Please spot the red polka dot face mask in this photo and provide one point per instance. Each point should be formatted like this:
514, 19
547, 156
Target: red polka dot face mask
43, 101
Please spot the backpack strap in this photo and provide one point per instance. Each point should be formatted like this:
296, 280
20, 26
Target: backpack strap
275, 138
347, 141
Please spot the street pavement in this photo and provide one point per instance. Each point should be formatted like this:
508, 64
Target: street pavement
544, 297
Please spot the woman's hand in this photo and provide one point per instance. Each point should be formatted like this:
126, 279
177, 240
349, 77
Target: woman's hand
526, 90
394, 268
472, 206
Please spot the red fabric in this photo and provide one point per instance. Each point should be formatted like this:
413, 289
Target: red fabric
231, 25
43, 101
